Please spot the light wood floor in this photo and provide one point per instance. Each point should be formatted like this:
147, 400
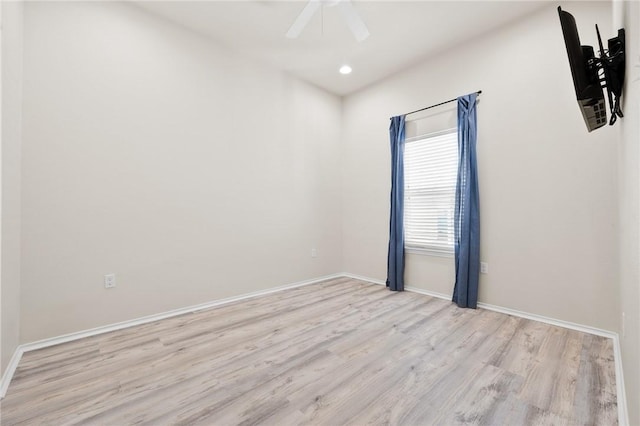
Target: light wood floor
338, 352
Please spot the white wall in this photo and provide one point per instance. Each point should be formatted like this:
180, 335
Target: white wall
151, 153
629, 196
11, 136
548, 189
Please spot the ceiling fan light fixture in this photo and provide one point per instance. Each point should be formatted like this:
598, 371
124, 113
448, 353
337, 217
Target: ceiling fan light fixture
345, 69
348, 12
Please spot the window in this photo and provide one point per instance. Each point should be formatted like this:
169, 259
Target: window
430, 172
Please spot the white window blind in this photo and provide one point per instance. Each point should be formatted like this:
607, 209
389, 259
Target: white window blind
430, 172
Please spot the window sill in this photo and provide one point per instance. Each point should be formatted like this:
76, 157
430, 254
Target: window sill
427, 252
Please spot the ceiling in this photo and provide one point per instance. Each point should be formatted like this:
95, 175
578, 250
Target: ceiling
402, 33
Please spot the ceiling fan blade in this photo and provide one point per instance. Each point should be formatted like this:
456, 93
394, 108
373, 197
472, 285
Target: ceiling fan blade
303, 19
353, 20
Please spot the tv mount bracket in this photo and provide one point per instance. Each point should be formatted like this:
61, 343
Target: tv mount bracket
610, 70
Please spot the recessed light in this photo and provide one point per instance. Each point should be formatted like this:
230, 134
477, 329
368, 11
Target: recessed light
345, 69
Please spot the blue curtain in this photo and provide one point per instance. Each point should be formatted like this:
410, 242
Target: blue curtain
467, 212
395, 258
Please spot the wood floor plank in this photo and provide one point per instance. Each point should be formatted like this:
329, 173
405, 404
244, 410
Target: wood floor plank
545, 369
564, 387
595, 398
342, 351
479, 402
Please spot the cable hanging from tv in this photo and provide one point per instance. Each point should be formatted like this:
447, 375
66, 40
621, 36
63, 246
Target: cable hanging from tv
591, 74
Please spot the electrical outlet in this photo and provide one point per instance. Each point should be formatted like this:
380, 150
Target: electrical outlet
484, 268
110, 281
314, 252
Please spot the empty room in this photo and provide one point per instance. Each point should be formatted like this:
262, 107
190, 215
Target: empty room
321, 212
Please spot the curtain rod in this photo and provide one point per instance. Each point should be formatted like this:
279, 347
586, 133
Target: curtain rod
433, 106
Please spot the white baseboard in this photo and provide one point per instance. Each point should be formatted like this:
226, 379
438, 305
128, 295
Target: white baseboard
40, 344
503, 310
363, 278
623, 418
621, 392
10, 371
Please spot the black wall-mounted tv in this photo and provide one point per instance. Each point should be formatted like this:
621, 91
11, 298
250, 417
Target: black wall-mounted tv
592, 73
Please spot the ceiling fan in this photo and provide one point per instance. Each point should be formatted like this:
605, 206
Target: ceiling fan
348, 12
